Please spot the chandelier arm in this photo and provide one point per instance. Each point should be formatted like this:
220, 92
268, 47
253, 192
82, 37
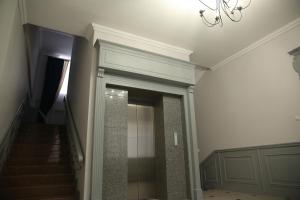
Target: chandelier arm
213, 9
231, 16
208, 23
220, 18
224, 4
247, 4
235, 20
235, 5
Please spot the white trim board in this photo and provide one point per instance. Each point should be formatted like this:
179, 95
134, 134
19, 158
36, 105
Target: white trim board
99, 32
23, 11
258, 43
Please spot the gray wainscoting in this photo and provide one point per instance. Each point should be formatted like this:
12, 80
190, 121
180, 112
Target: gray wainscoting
272, 169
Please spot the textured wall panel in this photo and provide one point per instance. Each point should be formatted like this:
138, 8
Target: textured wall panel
160, 164
175, 161
115, 161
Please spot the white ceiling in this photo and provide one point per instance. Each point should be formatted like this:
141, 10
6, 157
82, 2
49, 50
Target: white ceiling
175, 22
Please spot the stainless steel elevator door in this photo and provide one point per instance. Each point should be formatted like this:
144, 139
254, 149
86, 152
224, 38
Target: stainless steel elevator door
141, 153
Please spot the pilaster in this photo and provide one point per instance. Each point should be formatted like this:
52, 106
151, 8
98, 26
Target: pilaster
194, 143
98, 137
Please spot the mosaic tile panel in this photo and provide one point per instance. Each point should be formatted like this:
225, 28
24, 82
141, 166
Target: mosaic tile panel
115, 162
175, 161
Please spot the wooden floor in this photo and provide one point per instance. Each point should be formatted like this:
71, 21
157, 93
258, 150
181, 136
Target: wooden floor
38, 167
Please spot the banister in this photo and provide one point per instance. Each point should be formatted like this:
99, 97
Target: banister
74, 135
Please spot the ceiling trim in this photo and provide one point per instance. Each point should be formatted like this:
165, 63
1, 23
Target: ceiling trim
23, 11
258, 43
100, 32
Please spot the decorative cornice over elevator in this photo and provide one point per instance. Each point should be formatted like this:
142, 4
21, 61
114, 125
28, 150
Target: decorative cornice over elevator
98, 32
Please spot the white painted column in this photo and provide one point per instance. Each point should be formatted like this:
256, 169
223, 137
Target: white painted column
194, 144
98, 137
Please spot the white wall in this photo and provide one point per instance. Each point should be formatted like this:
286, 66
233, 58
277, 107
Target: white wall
13, 64
251, 101
81, 97
33, 42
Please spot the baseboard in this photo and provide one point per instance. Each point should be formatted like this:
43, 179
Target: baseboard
271, 169
10, 134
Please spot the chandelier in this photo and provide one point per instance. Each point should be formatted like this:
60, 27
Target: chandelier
231, 8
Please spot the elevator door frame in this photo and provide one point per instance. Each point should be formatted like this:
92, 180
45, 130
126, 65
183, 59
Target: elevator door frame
187, 95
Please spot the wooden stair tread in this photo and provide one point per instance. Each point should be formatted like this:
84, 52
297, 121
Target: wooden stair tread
35, 179
38, 166
52, 198
36, 191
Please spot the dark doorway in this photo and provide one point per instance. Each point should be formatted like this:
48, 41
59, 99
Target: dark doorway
53, 79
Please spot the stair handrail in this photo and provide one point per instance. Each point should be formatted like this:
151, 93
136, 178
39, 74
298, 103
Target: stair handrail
78, 155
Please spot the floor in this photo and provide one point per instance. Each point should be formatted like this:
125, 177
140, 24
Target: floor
226, 195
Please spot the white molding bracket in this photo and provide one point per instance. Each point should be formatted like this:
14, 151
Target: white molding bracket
258, 43
23, 11
103, 33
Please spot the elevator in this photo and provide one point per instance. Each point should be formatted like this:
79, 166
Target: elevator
144, 146
144, 130
141, 153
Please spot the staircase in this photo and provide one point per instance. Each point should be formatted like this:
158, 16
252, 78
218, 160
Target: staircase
38, 167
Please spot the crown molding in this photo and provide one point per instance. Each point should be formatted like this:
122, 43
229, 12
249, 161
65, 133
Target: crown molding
23, 11
99, 32
258, 43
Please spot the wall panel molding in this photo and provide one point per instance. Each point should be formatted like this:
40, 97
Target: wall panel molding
123, 59
271, 169
211, 173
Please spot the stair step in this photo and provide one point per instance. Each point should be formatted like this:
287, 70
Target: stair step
36, 152
35, 180
39, 126
40, 137
49, 156
41, 155
55, 159
65, 197
35, 169
32, 140
37, 148
38, 166
36, 191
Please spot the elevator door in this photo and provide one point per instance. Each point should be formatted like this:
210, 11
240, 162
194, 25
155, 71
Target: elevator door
141, 153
